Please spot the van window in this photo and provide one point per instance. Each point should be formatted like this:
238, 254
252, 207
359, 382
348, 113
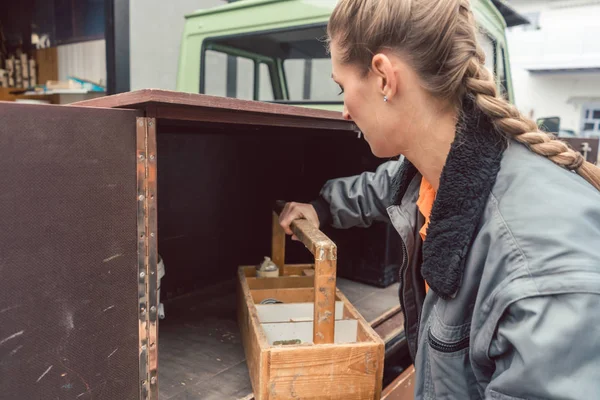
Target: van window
295, 54
215, 69
495, 60
265, 91
488, 45
501, 72
244, 82
310, 80
233, 76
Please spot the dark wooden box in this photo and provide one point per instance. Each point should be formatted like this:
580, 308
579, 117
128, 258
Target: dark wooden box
93, 192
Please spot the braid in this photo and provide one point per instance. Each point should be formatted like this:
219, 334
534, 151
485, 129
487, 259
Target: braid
480, 83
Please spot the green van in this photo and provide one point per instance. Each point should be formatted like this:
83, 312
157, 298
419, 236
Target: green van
271, 50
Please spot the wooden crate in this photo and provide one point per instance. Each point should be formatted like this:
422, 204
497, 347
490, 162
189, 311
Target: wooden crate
339, 357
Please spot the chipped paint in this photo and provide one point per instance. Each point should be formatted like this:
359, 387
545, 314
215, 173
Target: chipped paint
9, 308
112, 258
325, 317
12, 353
321, 254
108, 308
110, 355
69, 320
14, 335
44, 374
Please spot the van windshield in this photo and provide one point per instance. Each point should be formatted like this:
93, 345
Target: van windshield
284, 65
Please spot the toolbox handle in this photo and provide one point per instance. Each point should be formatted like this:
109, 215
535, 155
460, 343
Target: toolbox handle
325, 252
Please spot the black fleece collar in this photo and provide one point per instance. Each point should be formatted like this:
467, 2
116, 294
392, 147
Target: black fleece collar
465, 185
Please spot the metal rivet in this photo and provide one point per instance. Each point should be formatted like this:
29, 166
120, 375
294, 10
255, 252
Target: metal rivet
141, 156
143, 311
152, 234
153, 380
141, 123
150, 123
152, 309
142, 274
141, 197
152, 157
144, 348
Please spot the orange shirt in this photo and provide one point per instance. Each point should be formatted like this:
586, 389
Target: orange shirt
425, 203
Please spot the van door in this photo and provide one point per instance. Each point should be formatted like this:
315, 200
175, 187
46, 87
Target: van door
69, 326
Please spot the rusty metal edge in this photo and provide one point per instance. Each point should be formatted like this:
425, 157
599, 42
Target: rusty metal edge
152, 260
142, 232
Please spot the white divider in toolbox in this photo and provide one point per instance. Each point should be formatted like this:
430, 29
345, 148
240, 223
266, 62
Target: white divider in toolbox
346, 331
292, 312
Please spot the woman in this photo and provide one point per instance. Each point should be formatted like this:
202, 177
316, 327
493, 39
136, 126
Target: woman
500, 282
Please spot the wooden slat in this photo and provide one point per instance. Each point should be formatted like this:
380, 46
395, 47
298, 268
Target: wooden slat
345, 371
315, 241
298, 269
324, 321
391, 328
47, 64
278, 245
366, 333
402, 388
281, 282
290, 270
385, 316
287, 295
351, 312
254, 340
5, 94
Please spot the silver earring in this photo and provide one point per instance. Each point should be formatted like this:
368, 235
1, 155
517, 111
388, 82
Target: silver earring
385, 98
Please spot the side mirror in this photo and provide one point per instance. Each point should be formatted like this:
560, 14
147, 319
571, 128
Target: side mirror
549, 124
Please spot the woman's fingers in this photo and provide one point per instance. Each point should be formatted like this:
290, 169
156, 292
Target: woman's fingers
293, 211
286, 217
311, 215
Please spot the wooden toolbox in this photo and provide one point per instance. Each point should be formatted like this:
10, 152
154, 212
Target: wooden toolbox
288, 354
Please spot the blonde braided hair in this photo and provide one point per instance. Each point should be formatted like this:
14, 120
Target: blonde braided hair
438, 37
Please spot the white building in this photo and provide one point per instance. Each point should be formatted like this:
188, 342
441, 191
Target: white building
556, 62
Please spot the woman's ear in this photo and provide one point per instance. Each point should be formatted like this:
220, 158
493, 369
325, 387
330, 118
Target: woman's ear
387, 81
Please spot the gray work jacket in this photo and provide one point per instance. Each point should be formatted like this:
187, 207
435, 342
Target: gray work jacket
512, 257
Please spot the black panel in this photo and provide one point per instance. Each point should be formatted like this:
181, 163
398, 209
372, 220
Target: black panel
117, 46
216, 187
68, 253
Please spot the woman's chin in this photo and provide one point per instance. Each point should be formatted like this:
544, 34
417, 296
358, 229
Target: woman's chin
379, 151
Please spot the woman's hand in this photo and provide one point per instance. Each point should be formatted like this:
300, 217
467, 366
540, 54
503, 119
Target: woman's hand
293, 211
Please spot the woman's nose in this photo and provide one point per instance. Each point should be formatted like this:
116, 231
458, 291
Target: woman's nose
346, 114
